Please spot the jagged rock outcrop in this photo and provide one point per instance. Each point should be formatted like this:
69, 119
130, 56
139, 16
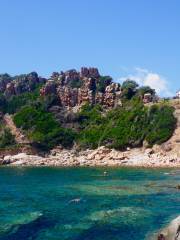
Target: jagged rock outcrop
89, 72
72, 88
49, 88
77, 88
4, 80
19, 84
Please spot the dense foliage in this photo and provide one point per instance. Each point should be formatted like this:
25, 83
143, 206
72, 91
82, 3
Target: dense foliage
161, 125
6, 138
14, 103
42, 129
126, 126
103, 81
77, 83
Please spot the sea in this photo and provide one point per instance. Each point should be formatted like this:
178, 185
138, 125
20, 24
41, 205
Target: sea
51, 203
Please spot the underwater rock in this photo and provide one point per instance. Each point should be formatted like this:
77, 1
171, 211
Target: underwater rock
18, 220
124, 215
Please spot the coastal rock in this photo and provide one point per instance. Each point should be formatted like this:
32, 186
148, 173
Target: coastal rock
171, 232
149, 151
22, 158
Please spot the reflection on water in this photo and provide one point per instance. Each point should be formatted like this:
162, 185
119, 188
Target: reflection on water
83, 203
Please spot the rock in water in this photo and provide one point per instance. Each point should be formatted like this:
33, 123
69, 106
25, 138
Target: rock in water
171, 232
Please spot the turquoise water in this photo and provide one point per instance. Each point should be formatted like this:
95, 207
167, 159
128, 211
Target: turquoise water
83, 204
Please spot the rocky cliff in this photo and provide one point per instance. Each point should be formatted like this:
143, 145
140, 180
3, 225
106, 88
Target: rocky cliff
72, 88
16, 85
87, 86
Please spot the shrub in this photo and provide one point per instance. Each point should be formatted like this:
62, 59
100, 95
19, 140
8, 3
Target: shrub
103, 82
126, 126
16, 102
161, 124
76, 83
6, 138
42, 129
129, 88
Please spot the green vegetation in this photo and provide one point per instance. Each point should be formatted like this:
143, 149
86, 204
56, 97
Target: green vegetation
161, 125
16, 102
6, 138
77, 83
42, 129
129, 89
145, 89
103, 81
126, 126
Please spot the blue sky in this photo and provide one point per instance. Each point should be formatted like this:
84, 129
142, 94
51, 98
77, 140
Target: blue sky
123, 38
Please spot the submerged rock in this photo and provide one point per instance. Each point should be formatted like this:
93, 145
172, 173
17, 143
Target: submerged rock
18, 220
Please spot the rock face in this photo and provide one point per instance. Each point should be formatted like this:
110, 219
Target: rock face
19, 84
4, 80
172, 232
71, 88
77, 88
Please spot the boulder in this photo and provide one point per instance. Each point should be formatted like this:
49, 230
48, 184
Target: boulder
89, 72
171, 232
149, 151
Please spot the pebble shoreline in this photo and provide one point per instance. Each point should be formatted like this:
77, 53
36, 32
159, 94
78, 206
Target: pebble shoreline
99, 157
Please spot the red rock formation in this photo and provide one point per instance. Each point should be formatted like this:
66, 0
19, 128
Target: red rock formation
67, 96
60, 84
49, 88
10, 90
89, 72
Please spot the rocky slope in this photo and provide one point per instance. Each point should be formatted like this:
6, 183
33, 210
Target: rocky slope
19, 136
73, 89
165, 155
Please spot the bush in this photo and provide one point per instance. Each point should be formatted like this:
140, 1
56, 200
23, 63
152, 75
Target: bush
16, 102
42, 129
161, 124
76, 83
103, 82
6, 138
129, 88
126, 126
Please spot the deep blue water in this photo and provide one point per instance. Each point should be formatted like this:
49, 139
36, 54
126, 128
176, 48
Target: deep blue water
83, 204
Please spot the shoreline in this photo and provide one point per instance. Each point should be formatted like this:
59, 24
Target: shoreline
100, 157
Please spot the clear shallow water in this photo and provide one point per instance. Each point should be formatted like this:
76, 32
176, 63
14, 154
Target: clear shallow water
82, 204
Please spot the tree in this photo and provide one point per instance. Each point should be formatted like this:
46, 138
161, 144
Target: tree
103, 82
130, 84
129, 88
145, 89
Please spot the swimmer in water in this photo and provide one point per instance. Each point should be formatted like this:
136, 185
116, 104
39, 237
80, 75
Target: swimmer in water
76, 200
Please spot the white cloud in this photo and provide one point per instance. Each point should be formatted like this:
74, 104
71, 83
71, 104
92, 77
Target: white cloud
145, 77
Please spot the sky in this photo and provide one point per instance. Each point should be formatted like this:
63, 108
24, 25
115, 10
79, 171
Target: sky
137, 39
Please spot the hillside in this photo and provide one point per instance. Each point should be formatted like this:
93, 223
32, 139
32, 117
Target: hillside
173, 144
83, 110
